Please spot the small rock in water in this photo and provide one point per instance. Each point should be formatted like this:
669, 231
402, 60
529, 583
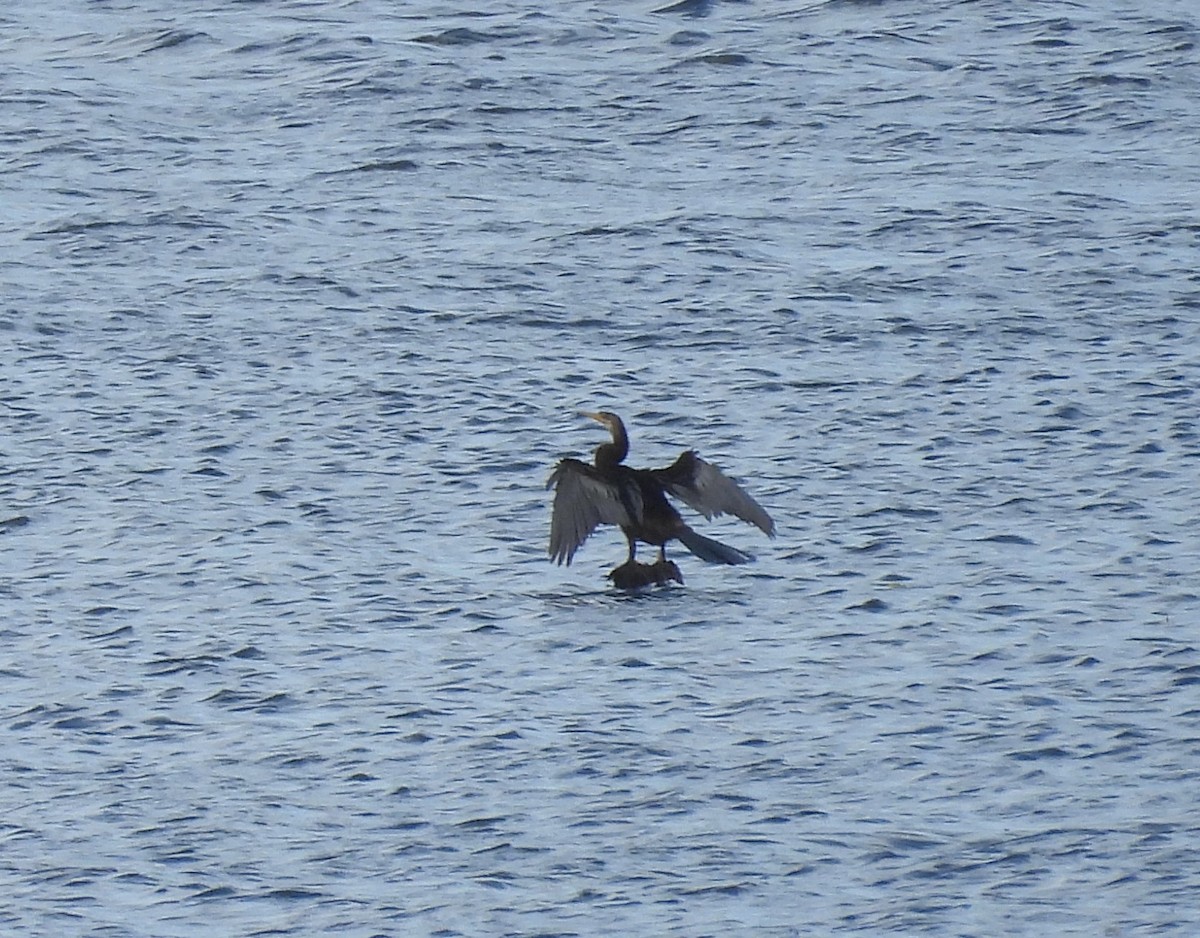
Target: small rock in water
634, 575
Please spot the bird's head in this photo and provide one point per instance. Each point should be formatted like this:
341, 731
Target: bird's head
609, 454
605, 417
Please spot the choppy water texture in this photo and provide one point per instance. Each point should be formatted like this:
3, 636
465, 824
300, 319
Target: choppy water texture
299, 300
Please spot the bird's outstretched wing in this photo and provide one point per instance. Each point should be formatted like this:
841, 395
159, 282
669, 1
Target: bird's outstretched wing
704, 487
583, 500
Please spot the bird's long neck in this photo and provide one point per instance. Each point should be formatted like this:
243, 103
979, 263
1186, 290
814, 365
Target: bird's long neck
610, 455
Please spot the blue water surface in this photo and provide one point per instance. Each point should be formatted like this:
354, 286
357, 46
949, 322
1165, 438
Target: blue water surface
299, 303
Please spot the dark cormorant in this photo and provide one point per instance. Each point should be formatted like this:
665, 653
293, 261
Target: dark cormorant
635, 500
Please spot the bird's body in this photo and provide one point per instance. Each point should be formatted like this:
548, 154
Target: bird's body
635, 500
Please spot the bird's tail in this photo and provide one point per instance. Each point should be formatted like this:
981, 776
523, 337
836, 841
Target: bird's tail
711, 551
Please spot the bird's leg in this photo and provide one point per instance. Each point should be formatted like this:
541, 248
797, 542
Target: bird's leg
632, 548
662, 553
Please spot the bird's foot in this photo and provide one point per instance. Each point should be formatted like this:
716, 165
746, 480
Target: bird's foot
632, 575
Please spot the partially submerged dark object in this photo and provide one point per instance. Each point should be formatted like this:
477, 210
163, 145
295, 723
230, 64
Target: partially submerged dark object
632, 575
635, 500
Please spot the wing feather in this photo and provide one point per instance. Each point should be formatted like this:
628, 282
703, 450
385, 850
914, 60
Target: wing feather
582, 501
705, 488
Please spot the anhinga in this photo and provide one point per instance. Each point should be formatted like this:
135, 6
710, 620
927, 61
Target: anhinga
635, 500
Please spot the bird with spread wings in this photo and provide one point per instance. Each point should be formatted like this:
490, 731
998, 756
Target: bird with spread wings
635, 500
